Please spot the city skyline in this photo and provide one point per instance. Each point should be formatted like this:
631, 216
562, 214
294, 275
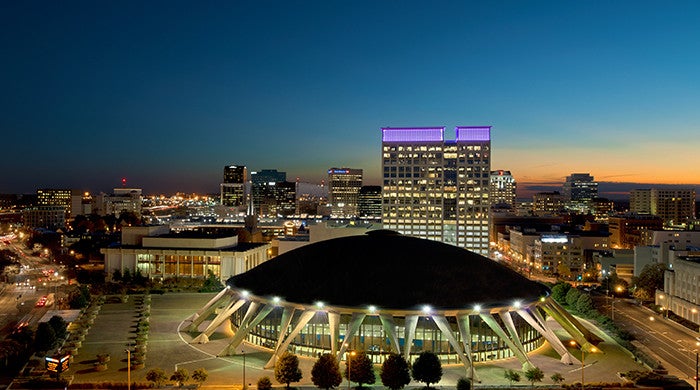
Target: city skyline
168, 93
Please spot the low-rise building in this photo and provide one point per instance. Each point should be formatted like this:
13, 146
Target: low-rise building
158, 253
681, 293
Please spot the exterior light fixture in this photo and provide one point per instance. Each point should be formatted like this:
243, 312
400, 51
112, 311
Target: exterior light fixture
319, 305
516, 304
276, 300
427, 309
477, 308
372, 308
245, 293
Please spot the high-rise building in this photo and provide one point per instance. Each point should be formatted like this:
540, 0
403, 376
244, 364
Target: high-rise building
578, 191
44, 216
233, 188
263, 189
369, 203
436, 188
503, 187
343, 191
640, 201
674, 206
547, 203
285, 198
55, 197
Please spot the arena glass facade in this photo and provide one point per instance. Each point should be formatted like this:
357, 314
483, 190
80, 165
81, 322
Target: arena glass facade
456, 336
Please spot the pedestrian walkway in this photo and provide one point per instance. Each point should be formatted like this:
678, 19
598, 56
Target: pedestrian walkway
169, 349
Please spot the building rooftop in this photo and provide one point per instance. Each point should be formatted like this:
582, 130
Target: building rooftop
390, 271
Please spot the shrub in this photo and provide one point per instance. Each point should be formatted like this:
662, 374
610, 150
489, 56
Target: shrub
464, 384
264, 383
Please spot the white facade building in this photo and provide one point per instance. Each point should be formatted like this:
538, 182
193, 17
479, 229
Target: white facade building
157, 253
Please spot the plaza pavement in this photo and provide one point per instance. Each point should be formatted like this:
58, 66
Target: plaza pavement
169, 349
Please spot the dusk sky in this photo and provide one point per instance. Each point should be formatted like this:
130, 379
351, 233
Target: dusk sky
168, 93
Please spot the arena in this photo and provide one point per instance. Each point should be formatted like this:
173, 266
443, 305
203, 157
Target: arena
383, 292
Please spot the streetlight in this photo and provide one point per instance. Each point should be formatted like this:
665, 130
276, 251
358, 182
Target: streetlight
128, 368
583, 365
696, 370
350, 355
243, 353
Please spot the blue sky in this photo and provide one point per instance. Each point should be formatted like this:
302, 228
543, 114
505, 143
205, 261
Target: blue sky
167, 93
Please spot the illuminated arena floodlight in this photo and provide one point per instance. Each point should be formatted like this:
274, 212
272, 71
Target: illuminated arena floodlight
384, 292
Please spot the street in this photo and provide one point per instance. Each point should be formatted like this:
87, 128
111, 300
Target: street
676, 345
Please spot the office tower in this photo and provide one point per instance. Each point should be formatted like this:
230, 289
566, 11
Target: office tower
343, 190
267, 176
640, 201
602, 208
674, 206
81, 203
579, 189
233, 188
627, 231
369, 203
547, 203
44, 216
122, 200
262, 189
285, 198
436, 188
55, 197
502, 188
274, 199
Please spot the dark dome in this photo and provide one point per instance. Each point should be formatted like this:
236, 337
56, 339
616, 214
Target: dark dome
391, 271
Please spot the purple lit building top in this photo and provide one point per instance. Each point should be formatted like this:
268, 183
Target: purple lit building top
472, 133
413, 134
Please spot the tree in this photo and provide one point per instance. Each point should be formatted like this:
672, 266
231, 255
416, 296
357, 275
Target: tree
533, 375
584, 303
326, 373
59, 326
126, 276
9, 349
464, 384
200, 375
264, 383
139, 279
557, 378
45, 337
287, 369
572, 296
211, 283
427, 368
512, 376
559, 292
361, 369
157, 376
77, 301
649, 280
180, 376
395, 372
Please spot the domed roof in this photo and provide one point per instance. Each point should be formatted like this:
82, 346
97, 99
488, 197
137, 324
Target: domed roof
390, 271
